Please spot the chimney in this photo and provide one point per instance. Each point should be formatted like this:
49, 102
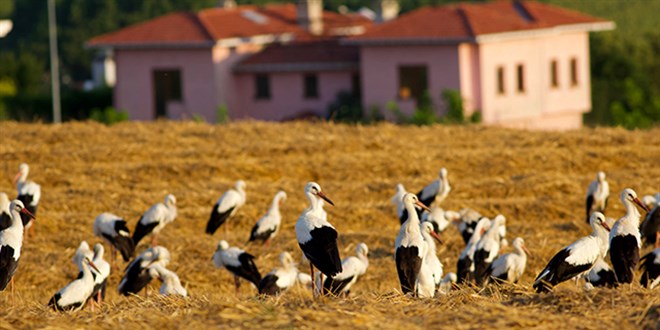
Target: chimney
310, 15
227, 4
386, 10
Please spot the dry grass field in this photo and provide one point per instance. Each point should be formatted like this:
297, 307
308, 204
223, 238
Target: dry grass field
536, 179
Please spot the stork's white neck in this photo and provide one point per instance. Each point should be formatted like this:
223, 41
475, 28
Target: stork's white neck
412, 224
631, 211
16, 222
429, 241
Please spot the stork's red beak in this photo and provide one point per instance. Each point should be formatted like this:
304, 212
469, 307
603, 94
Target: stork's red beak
18, 175
436, 236
325, 198
91, 264
526, 251
604, 224
644, 207
28, 213
420, 204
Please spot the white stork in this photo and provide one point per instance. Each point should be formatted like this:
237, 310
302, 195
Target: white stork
5, 216
650, 228
29, 193
488, 248
171, 283
651, 267
601, 274
226, 206
511, 266
352, 268
467, 223
397, 200
136, 275
625, 240
597, 194
113, 229
316, 237
268, 226
155, 219
410, 247
435, 191
440, 219
431, 260
238, 262
82, 252
465, 264
576, 258
101, 276
74, 295
447, 283
11, 241
280, 279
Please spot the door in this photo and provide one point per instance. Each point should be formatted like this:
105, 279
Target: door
167, 87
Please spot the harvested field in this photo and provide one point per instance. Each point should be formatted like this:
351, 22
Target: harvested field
537, 180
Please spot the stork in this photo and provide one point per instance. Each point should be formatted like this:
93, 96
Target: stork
447, 283
625, 241
440, 219
226, 206
601, 274
238, 262
155, 219
136, 275
280, 279
352, 268
5, 216
597, 194
75, 294
487, 250
465, 264
576, 258
511, 266
29, 193
431, 260
112, 229
651, 269
435, 191
268, 226
82, 252
11, 242
650, 228
410, 247
397, 200
101, 277
171, 283
316, 237
467, 223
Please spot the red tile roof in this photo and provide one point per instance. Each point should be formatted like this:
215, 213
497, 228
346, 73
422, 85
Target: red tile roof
213, 24
319, 54
465, 21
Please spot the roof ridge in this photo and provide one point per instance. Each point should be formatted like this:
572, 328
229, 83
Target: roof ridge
527, 15
462, 13
200, 23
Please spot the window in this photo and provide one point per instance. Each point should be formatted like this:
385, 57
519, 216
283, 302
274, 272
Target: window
355, 86
574, 73
412, 82
262, 86
520, 70
167, 87
311, 86
554, 79
500, 80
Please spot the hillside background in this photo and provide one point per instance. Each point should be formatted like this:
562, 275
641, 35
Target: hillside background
625, 62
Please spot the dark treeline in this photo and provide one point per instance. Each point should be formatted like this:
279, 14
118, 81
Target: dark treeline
625, 62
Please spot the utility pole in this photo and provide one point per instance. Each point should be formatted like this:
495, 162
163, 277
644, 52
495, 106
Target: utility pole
54, 63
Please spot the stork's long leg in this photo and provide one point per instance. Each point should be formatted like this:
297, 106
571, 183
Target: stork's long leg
154, 240
11, 282
237, 283
657, 239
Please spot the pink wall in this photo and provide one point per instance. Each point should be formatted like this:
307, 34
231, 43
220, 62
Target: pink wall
539, 106
379, 69
287, 98
134, 91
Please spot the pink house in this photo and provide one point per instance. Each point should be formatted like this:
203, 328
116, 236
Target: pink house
521, 64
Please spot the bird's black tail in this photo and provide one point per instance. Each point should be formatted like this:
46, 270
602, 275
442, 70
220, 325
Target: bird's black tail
142, 230
125, 246
217, 219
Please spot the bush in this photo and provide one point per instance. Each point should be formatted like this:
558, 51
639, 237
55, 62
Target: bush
346, 108
476, 117
222, 114
454, 104
108, 115
399, 117
376, 115
424, 113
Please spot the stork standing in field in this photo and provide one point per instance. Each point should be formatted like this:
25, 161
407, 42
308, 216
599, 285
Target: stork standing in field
171, 283
29, 193
435, 191
650, 228
440, 219
82, 252
431, 260
410, 247
155, 219
625, 240
465, 264
576, 258
487, 250
352, 268
397, 200
601, 274
238, 262
597, 194
316, 237
5, 216
268, 226
467, 223
113, 229
101, 277
447, 283
280, 279
651, 267
226, 206
75, 294
511, 266
11, 242
136, 275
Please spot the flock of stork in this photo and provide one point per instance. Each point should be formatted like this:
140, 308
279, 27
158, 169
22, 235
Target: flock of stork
419, 269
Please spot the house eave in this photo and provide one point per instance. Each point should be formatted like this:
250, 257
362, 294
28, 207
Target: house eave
543, 32
151, 45
296, 67
414, 41
261, 39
